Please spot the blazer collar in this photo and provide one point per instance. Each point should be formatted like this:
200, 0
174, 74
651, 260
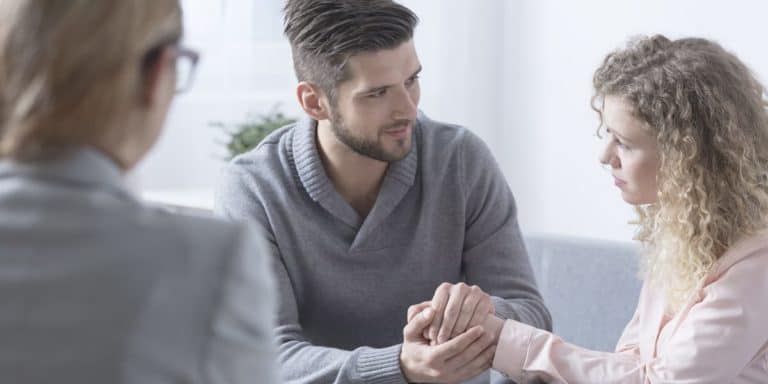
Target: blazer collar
85, 167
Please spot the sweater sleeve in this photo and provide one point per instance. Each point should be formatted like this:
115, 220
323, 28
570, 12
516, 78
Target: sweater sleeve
494, 255
713, 342
300, 360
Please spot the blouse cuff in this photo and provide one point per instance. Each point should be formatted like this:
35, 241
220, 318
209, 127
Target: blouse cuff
512, 349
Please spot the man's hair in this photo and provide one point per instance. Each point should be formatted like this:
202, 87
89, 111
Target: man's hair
325, 33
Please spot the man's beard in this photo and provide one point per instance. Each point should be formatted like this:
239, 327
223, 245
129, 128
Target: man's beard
368, 148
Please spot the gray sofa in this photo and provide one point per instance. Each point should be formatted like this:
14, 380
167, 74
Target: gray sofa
591, 287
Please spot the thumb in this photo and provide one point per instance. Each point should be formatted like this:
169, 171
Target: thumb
413, 330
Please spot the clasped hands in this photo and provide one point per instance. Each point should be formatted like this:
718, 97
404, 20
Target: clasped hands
451, 337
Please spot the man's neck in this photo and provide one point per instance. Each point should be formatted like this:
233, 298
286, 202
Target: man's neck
357, 178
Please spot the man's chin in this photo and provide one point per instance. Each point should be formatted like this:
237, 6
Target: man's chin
400, 153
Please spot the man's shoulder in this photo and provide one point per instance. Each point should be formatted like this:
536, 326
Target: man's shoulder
266, 158
269, 169
439, 131
270, 147
448, 139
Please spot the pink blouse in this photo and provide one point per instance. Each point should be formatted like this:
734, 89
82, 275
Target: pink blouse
720, 335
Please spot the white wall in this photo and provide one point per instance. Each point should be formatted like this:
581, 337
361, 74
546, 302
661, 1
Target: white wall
450, 44
517, 72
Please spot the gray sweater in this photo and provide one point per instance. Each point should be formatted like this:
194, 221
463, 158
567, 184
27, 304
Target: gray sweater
444, 214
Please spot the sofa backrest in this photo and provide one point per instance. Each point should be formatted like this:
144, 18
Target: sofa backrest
590, 286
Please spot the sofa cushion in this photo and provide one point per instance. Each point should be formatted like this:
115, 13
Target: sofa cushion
591, 287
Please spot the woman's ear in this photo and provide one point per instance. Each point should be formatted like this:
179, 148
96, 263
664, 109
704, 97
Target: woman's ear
312, 101
157, 79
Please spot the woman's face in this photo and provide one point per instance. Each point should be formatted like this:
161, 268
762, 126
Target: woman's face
631, 153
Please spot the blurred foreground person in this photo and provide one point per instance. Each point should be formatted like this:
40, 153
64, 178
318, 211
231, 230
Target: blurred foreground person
94, 286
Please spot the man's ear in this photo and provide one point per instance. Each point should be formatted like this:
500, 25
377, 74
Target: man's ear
153, 77
312, 101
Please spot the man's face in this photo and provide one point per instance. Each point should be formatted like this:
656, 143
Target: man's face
376, 107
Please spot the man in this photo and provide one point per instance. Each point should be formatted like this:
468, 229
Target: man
370, 206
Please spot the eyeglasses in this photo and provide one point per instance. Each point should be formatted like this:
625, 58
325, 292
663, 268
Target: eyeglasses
186, 63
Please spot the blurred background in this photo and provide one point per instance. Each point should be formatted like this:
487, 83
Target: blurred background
516, 72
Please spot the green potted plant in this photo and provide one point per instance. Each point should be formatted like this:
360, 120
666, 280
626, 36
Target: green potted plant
246, 135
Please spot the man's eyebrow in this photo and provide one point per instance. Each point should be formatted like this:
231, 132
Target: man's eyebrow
383, 87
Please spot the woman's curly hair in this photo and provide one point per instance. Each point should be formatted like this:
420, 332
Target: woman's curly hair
709, 116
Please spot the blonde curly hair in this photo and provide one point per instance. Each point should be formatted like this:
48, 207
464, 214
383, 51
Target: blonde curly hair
709, 116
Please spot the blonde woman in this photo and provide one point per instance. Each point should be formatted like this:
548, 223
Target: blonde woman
686, 133
94, 286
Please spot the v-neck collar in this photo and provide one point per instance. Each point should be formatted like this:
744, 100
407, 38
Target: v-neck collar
398, 179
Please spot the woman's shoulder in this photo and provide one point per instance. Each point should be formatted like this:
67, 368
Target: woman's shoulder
750, 247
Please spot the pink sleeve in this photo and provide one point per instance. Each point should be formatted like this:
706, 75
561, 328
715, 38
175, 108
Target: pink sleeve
525, 353
717, 339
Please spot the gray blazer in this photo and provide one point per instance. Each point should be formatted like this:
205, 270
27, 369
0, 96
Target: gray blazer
97, 288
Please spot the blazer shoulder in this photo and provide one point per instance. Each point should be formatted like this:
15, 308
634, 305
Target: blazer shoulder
189, 235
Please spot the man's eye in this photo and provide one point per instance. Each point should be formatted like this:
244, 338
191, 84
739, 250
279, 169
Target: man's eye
378, 93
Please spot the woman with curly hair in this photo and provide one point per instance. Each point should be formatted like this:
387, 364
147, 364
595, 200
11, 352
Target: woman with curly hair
686, 132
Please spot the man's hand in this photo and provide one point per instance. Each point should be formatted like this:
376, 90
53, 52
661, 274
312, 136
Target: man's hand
465, 356
458, 307
416, 309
